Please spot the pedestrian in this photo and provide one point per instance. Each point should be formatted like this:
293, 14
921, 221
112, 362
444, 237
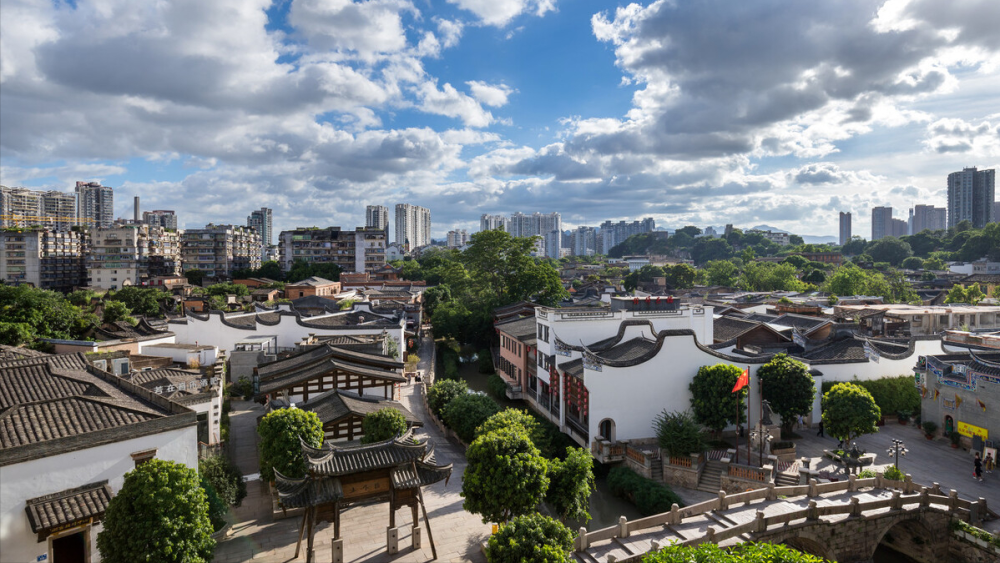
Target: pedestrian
801, 421
820, 433
979, 467
989, 462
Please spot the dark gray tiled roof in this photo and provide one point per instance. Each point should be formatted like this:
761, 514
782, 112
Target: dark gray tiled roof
727, 328
573, 367
335, 461
629, 350
18, 353
518, 328
314, 281
761, 317
165, 377
59, 418
800, 321
300, 493
336, 404
50, 511
285, 379
419, 474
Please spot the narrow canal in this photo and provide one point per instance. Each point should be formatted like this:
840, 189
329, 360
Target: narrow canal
605, 508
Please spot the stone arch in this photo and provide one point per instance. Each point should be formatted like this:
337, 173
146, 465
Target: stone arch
810, 545
606, 428
911, 536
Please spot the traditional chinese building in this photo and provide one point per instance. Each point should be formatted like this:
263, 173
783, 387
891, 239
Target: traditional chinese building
961, 392
341, 413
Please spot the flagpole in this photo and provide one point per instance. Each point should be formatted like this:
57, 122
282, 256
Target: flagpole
739, 409
749, 401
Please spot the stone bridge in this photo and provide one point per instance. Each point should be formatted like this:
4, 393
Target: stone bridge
841, 521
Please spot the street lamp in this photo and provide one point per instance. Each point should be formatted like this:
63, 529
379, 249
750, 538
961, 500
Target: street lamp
897, 449
764, 435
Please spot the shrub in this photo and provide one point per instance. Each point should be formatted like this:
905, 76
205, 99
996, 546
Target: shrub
442, 393
225, 478
497, 386
930, 427
571, 482
216, 507
160, 514
532, 537
382, 424
866, 474
741, 553
485, 362
244, 388
678, 433
449, 362
782, 445
280, 448
649, 496
466, 412
893, 474
505, 476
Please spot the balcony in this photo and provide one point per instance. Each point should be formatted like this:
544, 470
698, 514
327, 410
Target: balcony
606, 451
513, 391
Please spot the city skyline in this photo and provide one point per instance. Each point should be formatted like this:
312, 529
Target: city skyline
598, 112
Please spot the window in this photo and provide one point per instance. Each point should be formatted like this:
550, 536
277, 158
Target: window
142, 457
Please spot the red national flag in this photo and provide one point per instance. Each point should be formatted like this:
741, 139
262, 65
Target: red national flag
982, 405
743, 381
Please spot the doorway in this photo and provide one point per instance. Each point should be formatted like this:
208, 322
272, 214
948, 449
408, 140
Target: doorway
70, 549
949, 425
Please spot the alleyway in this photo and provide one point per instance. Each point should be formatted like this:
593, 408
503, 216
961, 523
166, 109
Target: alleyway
258, 536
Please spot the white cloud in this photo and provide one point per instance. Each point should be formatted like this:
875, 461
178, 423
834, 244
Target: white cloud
952, 135
366, 28
450, 102
501, 12
493, 95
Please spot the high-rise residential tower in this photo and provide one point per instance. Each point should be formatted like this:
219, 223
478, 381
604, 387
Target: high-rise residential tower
493, 222
881, 222
616, 233
165, 218
536, 224
928, 218
261, 221
95, 204
377, 216
413, 226
21, 207
971, 196
845, 228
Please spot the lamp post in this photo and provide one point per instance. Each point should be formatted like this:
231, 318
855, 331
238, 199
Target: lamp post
897, 449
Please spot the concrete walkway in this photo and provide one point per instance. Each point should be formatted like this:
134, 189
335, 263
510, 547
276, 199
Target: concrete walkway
257, 536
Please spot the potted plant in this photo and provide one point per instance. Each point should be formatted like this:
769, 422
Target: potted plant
955, 438
930, 427
903, 416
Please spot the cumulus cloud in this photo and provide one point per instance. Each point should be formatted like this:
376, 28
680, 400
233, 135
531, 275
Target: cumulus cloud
501, 12
952, 135
493, 95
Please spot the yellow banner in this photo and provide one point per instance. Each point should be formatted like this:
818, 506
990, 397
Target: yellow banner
968, 430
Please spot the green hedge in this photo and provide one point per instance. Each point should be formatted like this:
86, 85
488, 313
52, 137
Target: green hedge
742, 553
891, 394
649, 496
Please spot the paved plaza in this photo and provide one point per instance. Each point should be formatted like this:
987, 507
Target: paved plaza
257, 536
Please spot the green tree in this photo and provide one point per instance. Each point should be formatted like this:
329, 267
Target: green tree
194, 277
815, 277
889, 249
82, 298
712, 399
435, 296
280, 448
680, 276
228, 288
466, 412
115, 311
140, 300
160, 514
721, 272
501, 267
271, 270
443, 392
531, 538
571, 482
678, 433
795, 260
913, 263
217, 508
854, 247
382, 425
850, 411
789, 387
689, 230
505, 476
225, 478
768, 276
40, 313
708, 249
509, 418
934, 263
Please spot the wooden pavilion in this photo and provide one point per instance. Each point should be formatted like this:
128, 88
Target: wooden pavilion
342, 476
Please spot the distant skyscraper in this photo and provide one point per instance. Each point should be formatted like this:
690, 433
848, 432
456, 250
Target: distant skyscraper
881, 222
95, 204
457, 238
899, 228
413, 226
928, 218
21, 207
260, 220
536, 224
377, 216
584, 241
616, 233
971, 197
160, 218
845, 228
493, 222
135, 210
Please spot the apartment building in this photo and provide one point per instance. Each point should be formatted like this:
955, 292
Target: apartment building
413, 226
493, 222
377, 216
537, 224
971, 197
44, 258
927, 218
458, 238
845, 228
616, 233
95, 204
218, 250
261, 220
360, 250
783, 239
165, 218
23, 208
132, 255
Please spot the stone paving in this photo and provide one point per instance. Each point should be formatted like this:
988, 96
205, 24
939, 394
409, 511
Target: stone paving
257, 536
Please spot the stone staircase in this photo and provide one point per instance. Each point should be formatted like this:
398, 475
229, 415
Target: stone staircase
656, 469
711, 477
785, 480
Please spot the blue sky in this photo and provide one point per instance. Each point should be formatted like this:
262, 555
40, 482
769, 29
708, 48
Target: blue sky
776, 111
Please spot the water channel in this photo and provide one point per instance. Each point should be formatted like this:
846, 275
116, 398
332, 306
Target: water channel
605, 508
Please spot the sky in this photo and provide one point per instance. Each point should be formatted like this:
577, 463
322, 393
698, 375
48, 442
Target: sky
690, 112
